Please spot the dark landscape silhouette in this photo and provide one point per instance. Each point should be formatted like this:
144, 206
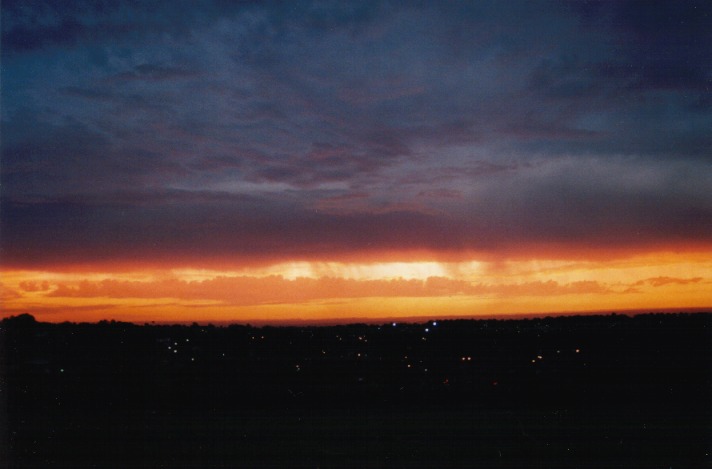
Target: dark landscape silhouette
580, 391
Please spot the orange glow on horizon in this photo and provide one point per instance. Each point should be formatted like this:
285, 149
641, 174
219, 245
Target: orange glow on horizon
340, 291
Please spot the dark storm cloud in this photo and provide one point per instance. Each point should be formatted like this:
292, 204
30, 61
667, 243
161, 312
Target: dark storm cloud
318, 128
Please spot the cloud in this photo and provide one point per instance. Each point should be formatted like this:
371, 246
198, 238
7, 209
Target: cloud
59, 311
441, 194
555, 207
154, 72
8, 294
259, 131
661, 281
30, 286
244, 290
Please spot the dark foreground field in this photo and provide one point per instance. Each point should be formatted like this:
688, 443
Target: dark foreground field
598, 391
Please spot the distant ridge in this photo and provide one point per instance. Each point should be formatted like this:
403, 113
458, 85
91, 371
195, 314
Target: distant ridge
28, 318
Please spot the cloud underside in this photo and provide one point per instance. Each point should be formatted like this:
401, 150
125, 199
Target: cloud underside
558, 209
543, 223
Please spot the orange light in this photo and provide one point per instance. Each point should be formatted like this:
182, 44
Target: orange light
387, 290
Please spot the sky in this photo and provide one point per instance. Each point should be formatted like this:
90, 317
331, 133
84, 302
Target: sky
330, 160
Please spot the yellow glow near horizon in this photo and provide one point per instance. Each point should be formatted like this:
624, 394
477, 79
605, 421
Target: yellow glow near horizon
358, 271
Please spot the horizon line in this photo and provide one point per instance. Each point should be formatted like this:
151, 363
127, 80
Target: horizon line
391, 320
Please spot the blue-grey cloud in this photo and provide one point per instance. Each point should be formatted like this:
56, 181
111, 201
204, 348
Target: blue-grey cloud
431, 125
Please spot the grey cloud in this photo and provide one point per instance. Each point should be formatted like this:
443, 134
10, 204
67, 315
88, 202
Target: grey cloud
453, 118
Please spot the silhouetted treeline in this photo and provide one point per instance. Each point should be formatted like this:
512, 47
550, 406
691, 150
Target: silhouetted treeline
553, 391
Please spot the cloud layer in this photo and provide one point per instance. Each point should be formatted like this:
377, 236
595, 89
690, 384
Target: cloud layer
205, 131
276, 289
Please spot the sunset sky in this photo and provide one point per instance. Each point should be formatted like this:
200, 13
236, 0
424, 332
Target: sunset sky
287, 161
